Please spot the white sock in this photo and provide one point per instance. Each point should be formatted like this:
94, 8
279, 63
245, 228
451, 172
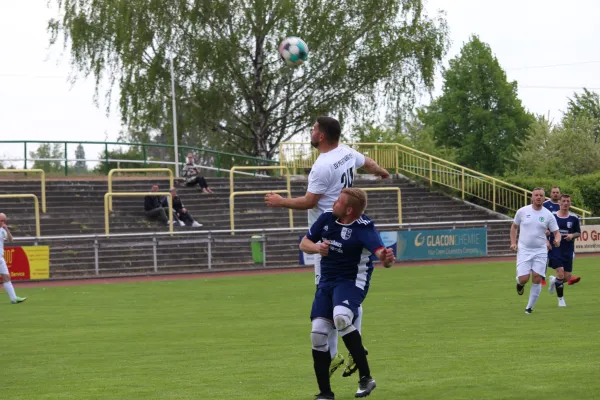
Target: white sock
10, 290
358, 321
332, 340
534, 293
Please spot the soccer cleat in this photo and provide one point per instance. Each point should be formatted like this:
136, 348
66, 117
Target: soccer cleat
325, 396
351, 365
336, 362
520, 289
543, 282
19, 300
552, 287
574, 280
561, 302
528, 311
365, 386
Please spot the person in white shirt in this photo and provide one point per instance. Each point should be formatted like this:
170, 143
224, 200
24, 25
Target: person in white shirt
532, 221
5, 235
334, 170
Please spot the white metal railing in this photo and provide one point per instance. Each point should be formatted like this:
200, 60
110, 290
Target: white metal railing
264, 230
193, 237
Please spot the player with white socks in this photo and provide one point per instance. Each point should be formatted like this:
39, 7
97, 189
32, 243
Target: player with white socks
532, 221
5, 235
333, 171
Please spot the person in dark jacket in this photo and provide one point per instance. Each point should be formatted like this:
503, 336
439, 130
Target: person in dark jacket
153, 206
178, 208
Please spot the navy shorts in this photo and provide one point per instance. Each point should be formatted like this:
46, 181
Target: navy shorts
566, 263
331, 295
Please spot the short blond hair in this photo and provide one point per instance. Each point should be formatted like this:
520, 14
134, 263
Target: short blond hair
357, 199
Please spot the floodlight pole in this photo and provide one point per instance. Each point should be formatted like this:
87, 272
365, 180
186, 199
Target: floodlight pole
176, 148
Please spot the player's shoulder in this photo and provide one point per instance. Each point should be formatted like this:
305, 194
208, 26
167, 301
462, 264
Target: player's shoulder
573, 215
363, 221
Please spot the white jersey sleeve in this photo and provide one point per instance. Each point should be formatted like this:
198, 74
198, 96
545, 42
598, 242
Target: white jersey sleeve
319, 180
552, 224
360, 159
517, 220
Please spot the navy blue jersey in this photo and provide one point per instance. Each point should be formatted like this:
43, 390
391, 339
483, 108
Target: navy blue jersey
349, 249
566, 226
551, 206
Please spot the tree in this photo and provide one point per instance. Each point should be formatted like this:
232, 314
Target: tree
559, 151
49, 151
231, 88
80, 164
584, 106
479, 113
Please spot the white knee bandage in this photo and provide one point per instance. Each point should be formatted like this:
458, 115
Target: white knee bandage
342, 317
319, 334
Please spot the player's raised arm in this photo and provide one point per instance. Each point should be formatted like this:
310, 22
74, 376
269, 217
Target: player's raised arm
373, 168
306, 202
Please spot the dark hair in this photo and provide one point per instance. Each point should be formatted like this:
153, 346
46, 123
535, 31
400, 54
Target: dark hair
565, 196
556, 187
331, 128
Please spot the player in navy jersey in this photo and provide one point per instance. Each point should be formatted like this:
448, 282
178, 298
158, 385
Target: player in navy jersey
553, 205
561, 257
348, 239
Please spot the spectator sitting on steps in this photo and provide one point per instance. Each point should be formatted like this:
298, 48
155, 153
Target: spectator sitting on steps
180, 210
153, 206
191, 173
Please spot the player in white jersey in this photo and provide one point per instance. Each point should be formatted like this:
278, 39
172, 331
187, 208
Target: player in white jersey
6, 236
532, 221
334, 170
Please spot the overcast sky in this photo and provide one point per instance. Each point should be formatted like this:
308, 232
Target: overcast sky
38, 103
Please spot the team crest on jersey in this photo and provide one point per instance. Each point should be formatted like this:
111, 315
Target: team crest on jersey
569, 224
346, 233
541, 219
326, 228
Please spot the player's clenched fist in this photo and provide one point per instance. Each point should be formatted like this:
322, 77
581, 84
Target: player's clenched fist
386, 256
324, 248
272, 200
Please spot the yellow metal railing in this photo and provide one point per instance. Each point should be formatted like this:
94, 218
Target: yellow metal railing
36, 204
278, 167
127, 170
382, 189
397, 157
42, 179
108, 197
232, 204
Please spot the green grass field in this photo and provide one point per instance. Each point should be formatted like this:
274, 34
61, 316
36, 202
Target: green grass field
441, 332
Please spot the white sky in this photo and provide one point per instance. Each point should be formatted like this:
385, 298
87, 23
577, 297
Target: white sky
38, 103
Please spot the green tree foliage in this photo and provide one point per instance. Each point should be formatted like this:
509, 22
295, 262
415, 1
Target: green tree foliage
478, 113
49, 151
584, 106
559, 151
232, 91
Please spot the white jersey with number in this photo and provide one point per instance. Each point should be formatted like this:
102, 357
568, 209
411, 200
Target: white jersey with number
532, 231
332, 172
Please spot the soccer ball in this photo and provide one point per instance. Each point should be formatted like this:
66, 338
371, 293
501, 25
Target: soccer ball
293, 51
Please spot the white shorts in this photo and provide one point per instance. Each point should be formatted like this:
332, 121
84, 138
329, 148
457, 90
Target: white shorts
3, 267
528, 263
